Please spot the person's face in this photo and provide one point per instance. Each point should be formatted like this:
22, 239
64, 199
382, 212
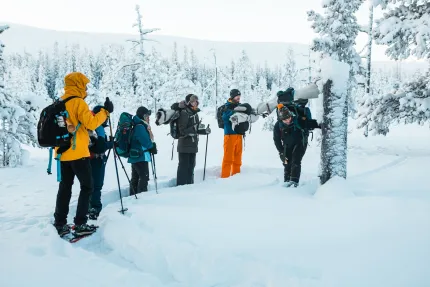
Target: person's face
146, 118
195, 104
236, 99
287, 121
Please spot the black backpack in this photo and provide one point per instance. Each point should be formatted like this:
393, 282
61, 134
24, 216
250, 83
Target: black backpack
123, 134
242, 128
174, 127
219, 112
52, 127
173, 122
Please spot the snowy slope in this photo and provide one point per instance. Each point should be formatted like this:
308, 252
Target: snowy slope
22, 38
371, 230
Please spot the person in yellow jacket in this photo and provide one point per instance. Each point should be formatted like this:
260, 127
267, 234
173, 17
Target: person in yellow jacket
75, 161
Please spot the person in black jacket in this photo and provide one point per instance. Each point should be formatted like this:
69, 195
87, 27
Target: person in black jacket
189, 129
290, 135
98, 147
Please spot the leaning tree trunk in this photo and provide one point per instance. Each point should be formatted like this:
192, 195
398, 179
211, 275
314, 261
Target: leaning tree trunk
334, 134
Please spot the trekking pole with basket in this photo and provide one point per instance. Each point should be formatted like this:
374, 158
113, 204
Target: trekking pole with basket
154, 172
128, 178
116, 169
206, 155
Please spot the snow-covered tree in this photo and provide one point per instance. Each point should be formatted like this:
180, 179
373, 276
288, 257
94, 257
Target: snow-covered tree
244, 78
40, 84
17, 118
337, 29
289, 71
261, 91
144, 89
268, 75
403, 30
194, 74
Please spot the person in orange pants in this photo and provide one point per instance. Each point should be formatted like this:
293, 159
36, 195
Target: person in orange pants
232, 160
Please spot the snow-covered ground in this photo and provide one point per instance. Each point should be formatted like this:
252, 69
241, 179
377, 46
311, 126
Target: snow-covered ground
370, 230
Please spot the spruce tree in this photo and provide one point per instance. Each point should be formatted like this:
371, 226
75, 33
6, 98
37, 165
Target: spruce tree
337, 29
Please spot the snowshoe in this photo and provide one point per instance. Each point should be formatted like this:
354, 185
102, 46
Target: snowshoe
62, 230
84, 229
291, 184
287, 183
93, 214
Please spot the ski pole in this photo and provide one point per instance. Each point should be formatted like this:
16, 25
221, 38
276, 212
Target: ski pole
206, 155
154, 172
128, 178
108, 155
117, 175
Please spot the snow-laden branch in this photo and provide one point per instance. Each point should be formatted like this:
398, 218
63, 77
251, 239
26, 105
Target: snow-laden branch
364, 48
364, 29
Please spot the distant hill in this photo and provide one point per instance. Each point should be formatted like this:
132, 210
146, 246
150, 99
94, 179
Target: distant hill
20, 38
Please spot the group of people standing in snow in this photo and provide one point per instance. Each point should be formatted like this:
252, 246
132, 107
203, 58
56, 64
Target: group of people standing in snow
86, 157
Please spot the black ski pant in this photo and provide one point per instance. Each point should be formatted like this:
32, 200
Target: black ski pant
293, 168
82, 169
139, 177
98, 167
187, 162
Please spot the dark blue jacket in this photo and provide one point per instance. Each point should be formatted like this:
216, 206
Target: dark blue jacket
101, 144
228, 129
140, 142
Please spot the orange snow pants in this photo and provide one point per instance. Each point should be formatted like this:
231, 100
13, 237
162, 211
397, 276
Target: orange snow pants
232, 155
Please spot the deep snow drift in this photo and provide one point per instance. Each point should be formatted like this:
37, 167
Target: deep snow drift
372, 229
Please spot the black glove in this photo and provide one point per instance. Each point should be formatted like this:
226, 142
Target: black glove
108, 105
153, 150
208, 130
282, 157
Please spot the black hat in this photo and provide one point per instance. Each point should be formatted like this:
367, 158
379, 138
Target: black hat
234, 93
142, 112
284, 113
286, 96
190, 98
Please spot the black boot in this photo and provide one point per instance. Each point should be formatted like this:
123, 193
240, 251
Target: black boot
93, 214
84, 229
62, 229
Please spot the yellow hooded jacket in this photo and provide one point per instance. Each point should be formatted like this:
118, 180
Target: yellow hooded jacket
79, 113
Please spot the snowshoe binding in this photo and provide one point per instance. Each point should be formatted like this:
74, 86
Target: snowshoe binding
62, 230
84, 229
290, 184
93, 214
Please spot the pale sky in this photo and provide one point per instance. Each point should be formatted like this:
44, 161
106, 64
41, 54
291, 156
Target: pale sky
227, 20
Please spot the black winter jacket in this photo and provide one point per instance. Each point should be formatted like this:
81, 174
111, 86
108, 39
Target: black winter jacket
188, 124
287, 136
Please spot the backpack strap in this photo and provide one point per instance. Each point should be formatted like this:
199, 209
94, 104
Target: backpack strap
69, 98
74, 136
50, 161
58, 167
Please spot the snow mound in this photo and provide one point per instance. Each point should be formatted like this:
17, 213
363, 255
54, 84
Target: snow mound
336, 71
335, 188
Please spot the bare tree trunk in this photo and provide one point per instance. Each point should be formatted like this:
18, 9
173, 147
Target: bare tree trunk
4, 143
369, 48
334, 134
